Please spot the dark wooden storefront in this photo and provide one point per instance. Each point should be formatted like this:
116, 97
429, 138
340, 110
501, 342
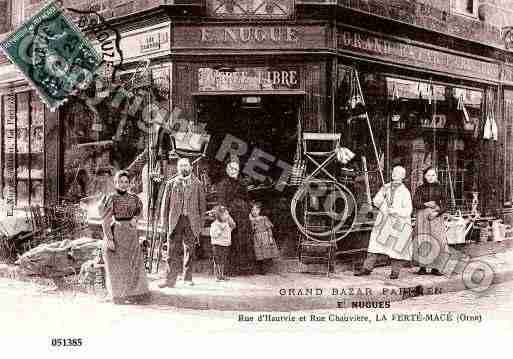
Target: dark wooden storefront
319, 48
321, 52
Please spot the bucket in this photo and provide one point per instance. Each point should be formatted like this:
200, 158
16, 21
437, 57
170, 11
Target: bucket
498, 231
484, 233
508, 232
456, 231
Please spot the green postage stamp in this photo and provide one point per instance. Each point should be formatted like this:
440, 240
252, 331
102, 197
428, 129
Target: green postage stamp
53, 54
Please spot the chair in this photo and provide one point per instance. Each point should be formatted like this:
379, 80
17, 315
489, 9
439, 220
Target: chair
317, 242
40, 228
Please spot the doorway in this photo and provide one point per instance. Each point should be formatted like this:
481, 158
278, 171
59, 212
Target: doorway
268, 122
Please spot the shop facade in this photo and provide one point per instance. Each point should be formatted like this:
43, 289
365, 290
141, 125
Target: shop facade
265, 76
429, 105
72, 153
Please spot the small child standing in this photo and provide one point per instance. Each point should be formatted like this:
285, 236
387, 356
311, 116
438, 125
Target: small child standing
221, 239
263, 241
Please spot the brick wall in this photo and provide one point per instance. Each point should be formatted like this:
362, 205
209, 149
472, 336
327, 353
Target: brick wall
432, 14
444, 5
436, 15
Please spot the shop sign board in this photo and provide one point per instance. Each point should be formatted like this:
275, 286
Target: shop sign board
413, 55
153, 41
250, 9
219, 36
144, 43
248, 79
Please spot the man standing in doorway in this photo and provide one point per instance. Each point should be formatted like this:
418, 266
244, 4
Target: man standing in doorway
182, 215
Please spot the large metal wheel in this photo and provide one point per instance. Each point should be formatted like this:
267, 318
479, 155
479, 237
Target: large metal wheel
339, 207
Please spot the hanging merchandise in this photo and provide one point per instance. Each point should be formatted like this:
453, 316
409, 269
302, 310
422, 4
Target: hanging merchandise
460, 104
298, 169
365, 115
490, 129
477, 128
344, 155
395, 93
434, 123
424, 116
428, 162
461, 107
495, 135
487, 133
396, 116
431, 93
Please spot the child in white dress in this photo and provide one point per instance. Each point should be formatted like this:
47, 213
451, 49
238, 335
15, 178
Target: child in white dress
221, 239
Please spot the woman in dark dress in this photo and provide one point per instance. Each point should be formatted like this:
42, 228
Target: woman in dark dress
124, 265
430, 238
233, 195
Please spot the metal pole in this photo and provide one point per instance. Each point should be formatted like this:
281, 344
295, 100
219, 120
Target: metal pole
453, 200
150, 210
370, 127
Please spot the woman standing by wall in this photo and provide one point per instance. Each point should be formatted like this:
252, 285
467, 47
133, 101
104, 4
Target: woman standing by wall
429, 234
233, 195
124, 265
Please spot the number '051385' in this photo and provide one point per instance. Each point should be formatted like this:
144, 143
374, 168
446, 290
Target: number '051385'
67, 342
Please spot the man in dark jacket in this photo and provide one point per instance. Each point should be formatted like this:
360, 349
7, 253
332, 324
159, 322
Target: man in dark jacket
182, 216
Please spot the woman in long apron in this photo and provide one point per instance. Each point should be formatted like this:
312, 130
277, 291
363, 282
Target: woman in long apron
124, 265
430, 239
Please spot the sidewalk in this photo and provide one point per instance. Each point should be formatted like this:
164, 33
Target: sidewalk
304, 291
288, 291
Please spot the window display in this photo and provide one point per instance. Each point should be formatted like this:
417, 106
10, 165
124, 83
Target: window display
27, 136
417, 123
436, 125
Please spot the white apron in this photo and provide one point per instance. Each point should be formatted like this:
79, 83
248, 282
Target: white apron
391, 234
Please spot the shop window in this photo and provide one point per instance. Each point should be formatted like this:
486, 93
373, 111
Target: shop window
351, 123
436, 125
22, 135
465, 7
96, 144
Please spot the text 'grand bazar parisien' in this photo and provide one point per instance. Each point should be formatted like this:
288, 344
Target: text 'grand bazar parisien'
382, 46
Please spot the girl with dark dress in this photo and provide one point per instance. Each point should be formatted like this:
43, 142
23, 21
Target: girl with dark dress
429, 233
124, 265
233, 195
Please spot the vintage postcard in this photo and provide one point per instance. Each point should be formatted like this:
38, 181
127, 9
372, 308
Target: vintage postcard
285, 168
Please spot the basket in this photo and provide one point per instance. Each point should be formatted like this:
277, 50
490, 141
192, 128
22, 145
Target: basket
297, 173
